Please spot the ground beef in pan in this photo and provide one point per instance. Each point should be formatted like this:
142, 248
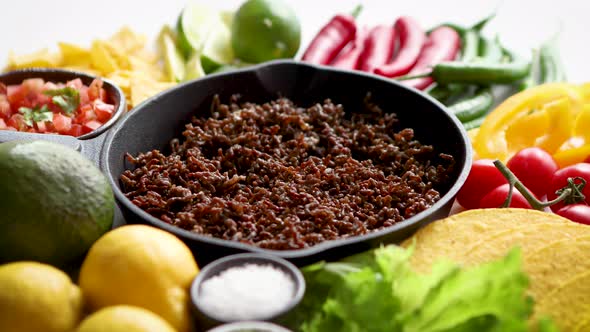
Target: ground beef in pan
284, 177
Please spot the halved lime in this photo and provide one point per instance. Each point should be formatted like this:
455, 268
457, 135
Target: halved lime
217, 50
194, 68
264, 30
193, 27
173, 59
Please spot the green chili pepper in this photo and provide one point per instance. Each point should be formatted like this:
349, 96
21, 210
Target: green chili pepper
481, 72
469, 52
531, 79
490, 50
474, 123
551, 67
475, 106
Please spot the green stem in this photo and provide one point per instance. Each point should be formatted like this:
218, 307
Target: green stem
357, 11
570, 191
411, 77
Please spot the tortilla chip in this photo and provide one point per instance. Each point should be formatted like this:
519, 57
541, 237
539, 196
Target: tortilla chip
552, 265
143, 87
569, 304
74, 55
42, 58
449, 237
127, 40
102, 59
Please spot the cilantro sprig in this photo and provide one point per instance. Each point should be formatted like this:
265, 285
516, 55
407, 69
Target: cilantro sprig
68, 99
36, 114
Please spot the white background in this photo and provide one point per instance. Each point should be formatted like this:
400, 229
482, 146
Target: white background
28, 25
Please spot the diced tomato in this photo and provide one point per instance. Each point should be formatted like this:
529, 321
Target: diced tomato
18, 122
76, 130
95, 90
91, 126
41, 126
50, 86
15, 94
5, 111
84, 98
103, 111
75, 83
62, 123
33, 85
3, 125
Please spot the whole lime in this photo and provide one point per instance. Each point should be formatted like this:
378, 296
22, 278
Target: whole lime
55, 203
264, 30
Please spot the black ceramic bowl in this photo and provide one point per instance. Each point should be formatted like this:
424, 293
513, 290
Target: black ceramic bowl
152, 124
207, 319
89, 144
61, 76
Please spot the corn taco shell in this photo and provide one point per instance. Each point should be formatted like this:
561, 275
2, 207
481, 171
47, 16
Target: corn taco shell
451, 237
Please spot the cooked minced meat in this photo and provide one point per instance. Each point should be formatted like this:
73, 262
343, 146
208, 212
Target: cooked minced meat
280, 176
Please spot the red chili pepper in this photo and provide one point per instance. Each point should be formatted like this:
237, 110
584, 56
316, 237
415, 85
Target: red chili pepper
331, 39
411, 39
378, 49
442, 45
349, 57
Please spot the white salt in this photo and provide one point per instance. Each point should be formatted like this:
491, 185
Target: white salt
247, 292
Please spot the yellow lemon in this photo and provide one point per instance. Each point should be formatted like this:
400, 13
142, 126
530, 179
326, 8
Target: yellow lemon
141, 266
37, 297
124, 318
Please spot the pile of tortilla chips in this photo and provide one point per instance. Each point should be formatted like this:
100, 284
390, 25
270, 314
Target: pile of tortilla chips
555, 251
123, 58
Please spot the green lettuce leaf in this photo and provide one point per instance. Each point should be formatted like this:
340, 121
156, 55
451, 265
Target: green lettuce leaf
378, 291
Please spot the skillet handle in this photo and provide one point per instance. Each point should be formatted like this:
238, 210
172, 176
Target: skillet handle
90, 148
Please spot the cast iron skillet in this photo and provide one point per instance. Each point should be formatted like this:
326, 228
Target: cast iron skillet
158, 120
152, 124
90, 140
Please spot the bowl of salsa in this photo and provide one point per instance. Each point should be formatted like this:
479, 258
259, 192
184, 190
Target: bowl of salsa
58, 102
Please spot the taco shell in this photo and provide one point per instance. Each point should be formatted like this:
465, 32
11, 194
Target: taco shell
530, 238
450, 237
551, 266
568, 305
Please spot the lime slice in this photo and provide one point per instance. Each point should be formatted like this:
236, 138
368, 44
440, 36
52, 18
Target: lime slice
194, 68
217, 50
173, 59
227, 17
193, 27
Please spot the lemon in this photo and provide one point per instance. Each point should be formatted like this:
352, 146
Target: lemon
142, 266
37, 297
124, 318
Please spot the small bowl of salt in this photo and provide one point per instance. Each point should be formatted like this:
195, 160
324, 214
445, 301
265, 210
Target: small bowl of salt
246, 287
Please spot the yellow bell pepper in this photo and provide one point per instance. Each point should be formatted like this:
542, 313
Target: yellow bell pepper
577, 148
556, 99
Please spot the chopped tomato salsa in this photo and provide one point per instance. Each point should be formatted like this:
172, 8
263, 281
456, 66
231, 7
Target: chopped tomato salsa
71, 109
